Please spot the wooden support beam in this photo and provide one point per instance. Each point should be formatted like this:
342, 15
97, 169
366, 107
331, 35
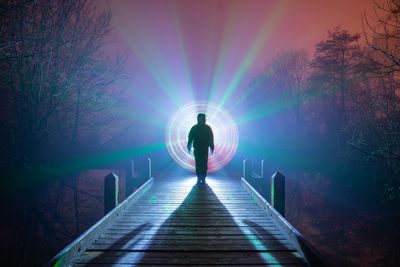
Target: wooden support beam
278, 192
110, 192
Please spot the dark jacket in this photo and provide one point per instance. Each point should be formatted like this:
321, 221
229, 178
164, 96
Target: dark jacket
202, 137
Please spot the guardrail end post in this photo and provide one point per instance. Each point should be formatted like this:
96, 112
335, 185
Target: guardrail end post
149, 160
129, 179
247, 171
110, 192
262, 174
278, 192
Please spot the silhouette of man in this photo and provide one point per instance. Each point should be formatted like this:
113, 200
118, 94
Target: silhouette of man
202, 138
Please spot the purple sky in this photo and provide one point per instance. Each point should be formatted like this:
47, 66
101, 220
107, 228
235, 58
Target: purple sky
204, 49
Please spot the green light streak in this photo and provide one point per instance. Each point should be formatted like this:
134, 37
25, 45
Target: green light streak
153, 199
60, 262
253, 237
227, 38
52, 170
284, 102
259, 245
156, 61
183, 52
249, 90
258, 44
153, 63
100, 159
277, 105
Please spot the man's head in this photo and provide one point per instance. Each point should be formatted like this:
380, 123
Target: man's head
201, 118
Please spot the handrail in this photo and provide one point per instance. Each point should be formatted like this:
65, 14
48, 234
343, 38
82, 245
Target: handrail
310, 254
80, 244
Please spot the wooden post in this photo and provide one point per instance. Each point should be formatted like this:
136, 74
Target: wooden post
247, 169
278, 192
149, 160
110, 192
145, 167
129, 180
262, 174
267, 181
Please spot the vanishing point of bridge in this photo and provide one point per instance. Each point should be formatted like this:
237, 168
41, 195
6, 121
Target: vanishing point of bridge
171, 221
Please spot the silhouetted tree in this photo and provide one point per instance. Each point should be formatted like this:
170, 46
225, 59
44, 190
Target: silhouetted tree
53, 73
335, 67
289, 73
382, 35
379, 135
56, 92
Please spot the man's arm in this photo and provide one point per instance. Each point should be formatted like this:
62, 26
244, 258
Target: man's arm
211, 138
190, 140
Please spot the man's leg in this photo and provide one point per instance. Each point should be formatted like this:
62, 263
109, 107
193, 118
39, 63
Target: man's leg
198, 165
201, 156
204, 162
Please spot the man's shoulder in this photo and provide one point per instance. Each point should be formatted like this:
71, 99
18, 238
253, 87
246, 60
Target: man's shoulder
194, 127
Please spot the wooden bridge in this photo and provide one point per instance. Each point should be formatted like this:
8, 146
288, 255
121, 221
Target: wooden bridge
173, 221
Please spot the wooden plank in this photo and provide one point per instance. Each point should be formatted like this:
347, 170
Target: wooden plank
151, 247
163, 217
173, 223
198, 230
192, 265
227, 244
184, 223
196, 216
192, 258
247, 237
193, 216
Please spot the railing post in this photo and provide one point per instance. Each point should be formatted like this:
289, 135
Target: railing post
262, 174
278, 192
149, 160
110, 192
129, 180
247, 172
266, 180
146, 167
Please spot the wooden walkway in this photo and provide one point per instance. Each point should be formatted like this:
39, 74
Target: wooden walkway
176, 222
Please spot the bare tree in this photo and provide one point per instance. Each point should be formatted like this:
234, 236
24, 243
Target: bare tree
289, 72
335, 70
374, 123
382, 35
377, 135
56, 91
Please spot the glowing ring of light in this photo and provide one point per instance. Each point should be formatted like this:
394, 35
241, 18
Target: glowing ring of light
220, 121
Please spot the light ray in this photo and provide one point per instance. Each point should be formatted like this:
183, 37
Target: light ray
270, 24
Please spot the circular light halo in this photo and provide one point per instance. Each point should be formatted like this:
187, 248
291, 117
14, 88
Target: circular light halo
221, 122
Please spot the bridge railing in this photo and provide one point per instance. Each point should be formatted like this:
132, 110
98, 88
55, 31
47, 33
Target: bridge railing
275, 190
135, 176
112, 209
275, 207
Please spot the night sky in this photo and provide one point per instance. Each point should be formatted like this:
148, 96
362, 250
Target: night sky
207, 50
